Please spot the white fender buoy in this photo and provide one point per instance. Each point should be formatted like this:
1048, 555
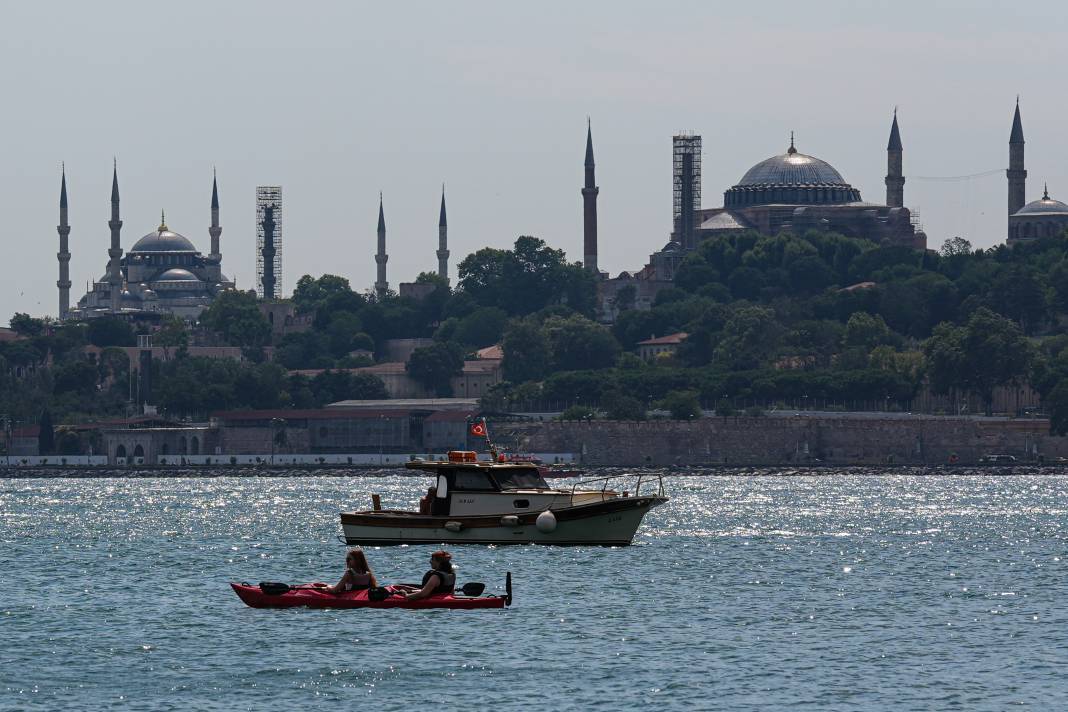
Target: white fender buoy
546, 522
453, 526
510, 520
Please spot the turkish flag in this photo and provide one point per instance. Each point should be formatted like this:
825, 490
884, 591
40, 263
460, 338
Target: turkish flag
478, 430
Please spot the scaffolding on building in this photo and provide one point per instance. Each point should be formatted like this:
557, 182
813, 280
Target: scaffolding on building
686, 187
269, 196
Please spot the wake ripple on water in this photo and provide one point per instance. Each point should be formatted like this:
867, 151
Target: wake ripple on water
743, 592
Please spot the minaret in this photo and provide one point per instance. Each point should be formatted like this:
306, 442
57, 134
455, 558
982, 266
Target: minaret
443, 241
381, 285
589, 208
1016, 174
895, 181
215, 230
64, 251
115, 251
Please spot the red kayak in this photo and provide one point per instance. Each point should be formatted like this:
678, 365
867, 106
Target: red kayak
313, 596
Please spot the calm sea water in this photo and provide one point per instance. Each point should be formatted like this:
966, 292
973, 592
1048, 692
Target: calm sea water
830, 593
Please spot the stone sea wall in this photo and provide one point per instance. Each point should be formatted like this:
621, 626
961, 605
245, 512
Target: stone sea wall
805, 439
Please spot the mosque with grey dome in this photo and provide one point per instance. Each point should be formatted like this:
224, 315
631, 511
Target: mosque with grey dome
162, 273
793, 193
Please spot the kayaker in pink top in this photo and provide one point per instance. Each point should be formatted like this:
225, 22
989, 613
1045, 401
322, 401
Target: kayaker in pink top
358, 574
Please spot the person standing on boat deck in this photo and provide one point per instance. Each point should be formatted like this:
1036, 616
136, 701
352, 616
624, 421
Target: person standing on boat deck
358, 575
439, 579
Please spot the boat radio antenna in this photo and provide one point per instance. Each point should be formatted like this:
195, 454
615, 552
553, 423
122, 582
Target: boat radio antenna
489, 442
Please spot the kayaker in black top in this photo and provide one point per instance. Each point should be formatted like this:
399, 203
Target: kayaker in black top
440, 579
358, 574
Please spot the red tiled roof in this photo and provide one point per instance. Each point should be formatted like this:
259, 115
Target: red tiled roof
494, 352
669, 340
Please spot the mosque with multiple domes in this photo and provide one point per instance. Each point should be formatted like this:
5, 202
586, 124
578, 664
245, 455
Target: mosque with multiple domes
163, 273
794, 193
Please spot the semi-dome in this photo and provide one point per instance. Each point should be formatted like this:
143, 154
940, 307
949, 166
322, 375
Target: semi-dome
177, 274
1044, 206
791, 178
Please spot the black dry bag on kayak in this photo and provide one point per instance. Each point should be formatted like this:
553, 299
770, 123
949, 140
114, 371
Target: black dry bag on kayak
377, 593
274, 588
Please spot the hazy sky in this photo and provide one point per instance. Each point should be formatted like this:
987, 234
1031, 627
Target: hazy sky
338, 100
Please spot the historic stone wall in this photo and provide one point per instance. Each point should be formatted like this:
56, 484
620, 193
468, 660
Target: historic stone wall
803, 439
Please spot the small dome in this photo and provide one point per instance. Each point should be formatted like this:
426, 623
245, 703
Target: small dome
177, 274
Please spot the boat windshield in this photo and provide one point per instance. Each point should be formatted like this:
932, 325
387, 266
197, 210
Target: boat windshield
472, 480
519, 478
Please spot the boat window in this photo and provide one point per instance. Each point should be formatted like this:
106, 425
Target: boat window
522, 504
443, 487
520, 478
472, 480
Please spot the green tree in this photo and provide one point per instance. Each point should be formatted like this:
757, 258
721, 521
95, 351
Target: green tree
172, 334
577, 412
434, 366
683, 405
578, 343
750, 335
482, 327
235, 316
107, 331
311, 292
1057, 404
955, 247
989, 351
526, 279
25, 325
619, 406
866, 331
526, 351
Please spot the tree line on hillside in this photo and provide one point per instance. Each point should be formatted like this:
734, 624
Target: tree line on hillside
818, 315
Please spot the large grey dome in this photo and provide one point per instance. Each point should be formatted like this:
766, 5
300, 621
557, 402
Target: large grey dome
793, 178
792, 168
163, 240
1045, 206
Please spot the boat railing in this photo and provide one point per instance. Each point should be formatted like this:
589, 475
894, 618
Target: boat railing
655, 482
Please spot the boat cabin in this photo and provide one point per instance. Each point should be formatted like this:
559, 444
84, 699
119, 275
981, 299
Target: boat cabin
466, 487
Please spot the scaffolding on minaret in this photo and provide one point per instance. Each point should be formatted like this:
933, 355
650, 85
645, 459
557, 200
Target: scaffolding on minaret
686, 187
269, 196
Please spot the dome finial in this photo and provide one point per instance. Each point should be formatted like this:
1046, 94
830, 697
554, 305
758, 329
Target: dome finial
1045, 191
162, 222
792, 150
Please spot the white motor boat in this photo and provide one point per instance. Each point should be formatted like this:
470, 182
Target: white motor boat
474, 502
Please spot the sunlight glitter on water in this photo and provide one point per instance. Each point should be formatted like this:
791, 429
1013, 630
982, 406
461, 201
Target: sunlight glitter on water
752, 591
